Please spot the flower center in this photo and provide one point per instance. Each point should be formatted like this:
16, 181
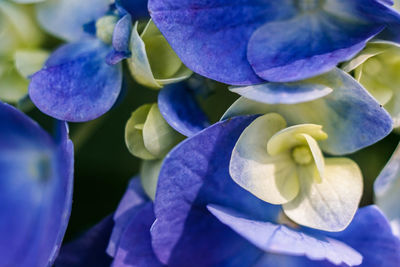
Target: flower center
105, 28
309, 5
302, 155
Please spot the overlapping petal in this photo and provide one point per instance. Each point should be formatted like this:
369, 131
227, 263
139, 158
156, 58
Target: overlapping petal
193, 175
36, 189
349, 115
280, 239
76, 83
179, 108
66, 18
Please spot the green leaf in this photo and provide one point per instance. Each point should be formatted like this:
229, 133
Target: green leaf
331, 204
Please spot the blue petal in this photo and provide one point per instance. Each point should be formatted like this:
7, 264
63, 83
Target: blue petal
120, 40
66, 18
89, 249
370, 234
133, 200
349, 115
137, 8
211, 37
287, 93
35, 190
280, 239
311, 44
180, 109
135, 248
194, 174
76, 83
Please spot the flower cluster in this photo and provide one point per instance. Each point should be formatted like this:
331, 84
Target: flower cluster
271, 178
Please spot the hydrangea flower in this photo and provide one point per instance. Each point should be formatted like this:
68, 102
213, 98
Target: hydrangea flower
377, 68
36, 189
248, 42
82, 79
202, 218
349, 115
285, 166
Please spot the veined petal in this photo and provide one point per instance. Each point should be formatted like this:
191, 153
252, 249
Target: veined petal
179, 108
331, 204
349, 115
36, 189
280, 239
66, 18
89, 249
134, 248
211, 37
133, 200
288, 93
270, 178
192, 176
76, 83
317, 155
312, 44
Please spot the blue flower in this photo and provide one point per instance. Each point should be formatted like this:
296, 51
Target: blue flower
248, 42
36, 189
82, 79
202, 218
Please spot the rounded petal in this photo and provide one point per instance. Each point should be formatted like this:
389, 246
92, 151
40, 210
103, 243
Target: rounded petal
36, 189
371, 235
287, 93
135, 249
291, 55
180, 109
280, 239
349, 115
195, 173
66, 18
331, 204
132, 201
89, 249
211, 37
270, 178
76, 83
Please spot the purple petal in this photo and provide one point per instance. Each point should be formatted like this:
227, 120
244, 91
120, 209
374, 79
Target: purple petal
120, 40
280, 239
180, 109
35, 191
89, 249
370, 234
194, 174
137, 8
76, 83
135, 248
211, 37
66, 18
289, 55
132, 201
